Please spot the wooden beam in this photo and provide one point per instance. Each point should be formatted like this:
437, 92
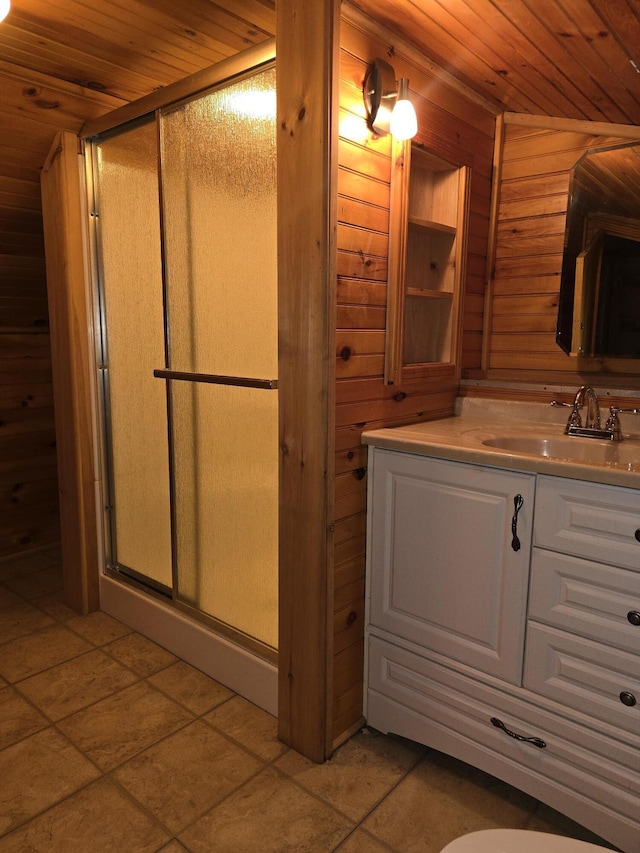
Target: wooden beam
601, 128
64, 227
307, 83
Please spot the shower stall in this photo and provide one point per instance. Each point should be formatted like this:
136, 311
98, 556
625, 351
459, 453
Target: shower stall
183, 209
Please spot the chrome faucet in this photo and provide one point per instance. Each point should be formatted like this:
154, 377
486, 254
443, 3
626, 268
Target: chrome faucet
585, 395
586, 392
592, 428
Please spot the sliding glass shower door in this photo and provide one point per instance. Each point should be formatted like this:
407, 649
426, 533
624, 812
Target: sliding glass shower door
211, 358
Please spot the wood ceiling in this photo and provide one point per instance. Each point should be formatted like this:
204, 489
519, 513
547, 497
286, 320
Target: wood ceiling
575, 59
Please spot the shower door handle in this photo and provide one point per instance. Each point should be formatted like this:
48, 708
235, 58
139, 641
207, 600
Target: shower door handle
213, 379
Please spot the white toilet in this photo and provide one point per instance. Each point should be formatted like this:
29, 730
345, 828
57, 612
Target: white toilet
518, 841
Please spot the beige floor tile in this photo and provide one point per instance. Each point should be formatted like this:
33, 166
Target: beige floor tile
362, 842
35, 584
76, 684
99, 628
38, 772
8, 598
140, 654
54, 606
20, 619
182, 777
360, 773
192, 688
270, 815
20, 566
546, 819
18, 719
114, 730
249, 725
442, 799
36, 652
98, 819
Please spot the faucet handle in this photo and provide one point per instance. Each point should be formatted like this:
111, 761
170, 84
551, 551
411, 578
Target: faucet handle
574, 418
613, 421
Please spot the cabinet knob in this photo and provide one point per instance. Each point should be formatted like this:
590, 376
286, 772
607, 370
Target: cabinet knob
627, 699
634, 617
637, 534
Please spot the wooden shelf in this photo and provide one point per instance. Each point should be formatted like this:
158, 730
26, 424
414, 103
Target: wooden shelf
429, 294
429, 225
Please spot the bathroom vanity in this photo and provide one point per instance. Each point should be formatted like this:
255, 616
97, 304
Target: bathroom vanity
503, 610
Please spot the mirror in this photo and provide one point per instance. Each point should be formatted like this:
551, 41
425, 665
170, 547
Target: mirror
599, 305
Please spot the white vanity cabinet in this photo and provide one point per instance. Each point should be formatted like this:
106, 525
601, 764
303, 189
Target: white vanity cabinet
525, 663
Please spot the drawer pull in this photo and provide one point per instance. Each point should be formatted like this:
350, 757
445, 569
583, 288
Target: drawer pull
627, 699
637, 534
517, 506
634, 617
534, 741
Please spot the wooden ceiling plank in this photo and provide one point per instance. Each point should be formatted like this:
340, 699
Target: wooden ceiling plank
48, 106
201, 19
109, 40
558, 63
515, 51
464, 46
434, 43
129, 35
189, 35
49, 87
619, 66
261, 12
597, 52
109, 74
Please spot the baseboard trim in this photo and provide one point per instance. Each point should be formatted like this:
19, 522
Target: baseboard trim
248, 675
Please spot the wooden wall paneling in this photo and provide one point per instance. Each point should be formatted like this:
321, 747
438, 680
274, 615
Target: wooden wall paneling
28, 482
63, 206
307, 39
29, 517
457, 127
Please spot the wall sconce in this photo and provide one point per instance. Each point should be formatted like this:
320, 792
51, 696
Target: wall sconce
5, 5
387, 103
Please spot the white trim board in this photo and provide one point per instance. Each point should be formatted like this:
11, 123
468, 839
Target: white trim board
246, 674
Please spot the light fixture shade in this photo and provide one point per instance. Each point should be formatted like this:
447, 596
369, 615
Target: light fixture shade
5, 5
387, 103
404, 123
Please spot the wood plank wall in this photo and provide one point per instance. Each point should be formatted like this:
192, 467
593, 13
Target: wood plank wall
525, 285
28, 479
458, 129
33, 107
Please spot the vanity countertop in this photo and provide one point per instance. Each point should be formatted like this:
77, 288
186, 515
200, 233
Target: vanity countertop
463, 437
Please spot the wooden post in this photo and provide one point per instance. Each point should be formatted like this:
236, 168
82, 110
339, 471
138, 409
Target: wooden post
62, 206
306, 67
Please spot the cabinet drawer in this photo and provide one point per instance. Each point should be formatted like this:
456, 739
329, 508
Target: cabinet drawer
589, 520
593, 599
584, 675
420, 699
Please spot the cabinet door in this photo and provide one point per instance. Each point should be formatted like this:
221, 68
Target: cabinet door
442, 570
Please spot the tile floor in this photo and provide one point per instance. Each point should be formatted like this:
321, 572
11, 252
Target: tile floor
110, 743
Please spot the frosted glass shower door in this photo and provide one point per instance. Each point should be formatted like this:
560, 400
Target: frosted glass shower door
219, 216
133, 344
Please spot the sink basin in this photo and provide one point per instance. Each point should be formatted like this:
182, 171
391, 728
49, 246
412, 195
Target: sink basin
611, 454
